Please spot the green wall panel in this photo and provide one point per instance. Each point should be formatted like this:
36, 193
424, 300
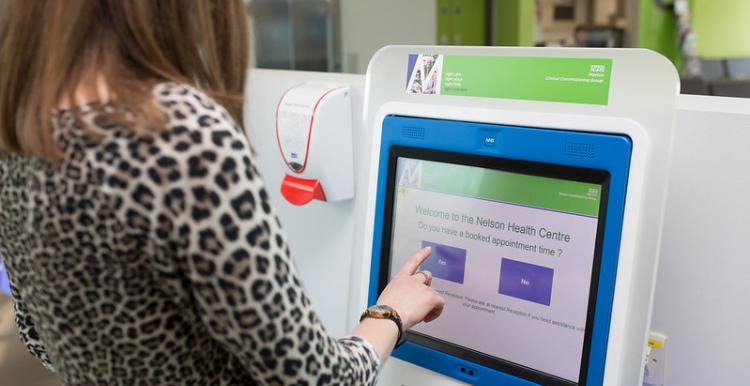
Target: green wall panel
657, 31
723, 28
444, 22
461, 22
513, 22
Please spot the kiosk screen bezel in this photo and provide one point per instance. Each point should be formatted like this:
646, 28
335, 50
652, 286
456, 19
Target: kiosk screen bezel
565, 172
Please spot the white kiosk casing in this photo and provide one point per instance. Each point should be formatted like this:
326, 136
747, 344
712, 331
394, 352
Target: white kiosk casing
641, 103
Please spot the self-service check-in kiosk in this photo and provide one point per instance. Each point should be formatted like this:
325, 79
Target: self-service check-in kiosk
537, 176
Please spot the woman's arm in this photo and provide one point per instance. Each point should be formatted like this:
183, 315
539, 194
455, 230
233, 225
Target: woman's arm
410, 295
27, 330
208, 203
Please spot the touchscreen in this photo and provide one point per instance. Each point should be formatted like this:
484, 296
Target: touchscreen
512, 254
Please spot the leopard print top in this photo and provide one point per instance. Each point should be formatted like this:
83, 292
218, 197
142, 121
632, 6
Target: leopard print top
159, 260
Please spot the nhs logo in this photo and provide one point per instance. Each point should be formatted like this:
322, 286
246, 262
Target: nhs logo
598, 68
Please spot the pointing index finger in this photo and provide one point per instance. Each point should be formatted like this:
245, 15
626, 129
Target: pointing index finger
411, 265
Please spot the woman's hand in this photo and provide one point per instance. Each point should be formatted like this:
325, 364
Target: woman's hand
409, 293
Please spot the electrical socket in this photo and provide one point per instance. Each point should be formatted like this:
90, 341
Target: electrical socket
656, 360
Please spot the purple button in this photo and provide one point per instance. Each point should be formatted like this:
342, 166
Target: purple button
445, 262
4, 283
526, 281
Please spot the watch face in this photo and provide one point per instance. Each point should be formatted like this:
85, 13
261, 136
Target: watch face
381, 310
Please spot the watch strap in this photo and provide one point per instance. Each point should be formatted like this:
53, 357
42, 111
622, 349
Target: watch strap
386, 312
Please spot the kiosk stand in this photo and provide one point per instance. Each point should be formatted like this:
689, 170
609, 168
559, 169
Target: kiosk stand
538, 178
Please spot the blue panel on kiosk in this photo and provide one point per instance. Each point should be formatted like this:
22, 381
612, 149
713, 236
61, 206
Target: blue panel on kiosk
603, 153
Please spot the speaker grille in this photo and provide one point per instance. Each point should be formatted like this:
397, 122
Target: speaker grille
579, 149
413, 132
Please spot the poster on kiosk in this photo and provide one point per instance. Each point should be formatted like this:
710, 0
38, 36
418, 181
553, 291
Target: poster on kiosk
538, 177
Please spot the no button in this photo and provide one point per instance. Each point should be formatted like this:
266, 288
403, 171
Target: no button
526, 281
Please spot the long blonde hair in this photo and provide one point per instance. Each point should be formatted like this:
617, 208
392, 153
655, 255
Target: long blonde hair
50, 48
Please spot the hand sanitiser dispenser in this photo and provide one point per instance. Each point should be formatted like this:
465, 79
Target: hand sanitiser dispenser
314, 132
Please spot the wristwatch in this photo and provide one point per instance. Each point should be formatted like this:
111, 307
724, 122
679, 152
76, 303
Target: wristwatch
386, 312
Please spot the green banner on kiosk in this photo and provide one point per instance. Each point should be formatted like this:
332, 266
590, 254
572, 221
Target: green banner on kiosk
568, 196
548, 79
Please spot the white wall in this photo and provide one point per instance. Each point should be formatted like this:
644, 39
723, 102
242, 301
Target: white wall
703, 282
367, 25
319, 234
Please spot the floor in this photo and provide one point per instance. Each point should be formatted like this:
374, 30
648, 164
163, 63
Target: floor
17, 366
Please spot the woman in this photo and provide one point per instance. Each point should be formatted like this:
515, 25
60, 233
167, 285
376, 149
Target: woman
140, 242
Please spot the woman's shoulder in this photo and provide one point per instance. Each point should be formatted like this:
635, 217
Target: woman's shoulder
199, 131
192, 122
198, 128
188, 106
187, 169
200, 145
